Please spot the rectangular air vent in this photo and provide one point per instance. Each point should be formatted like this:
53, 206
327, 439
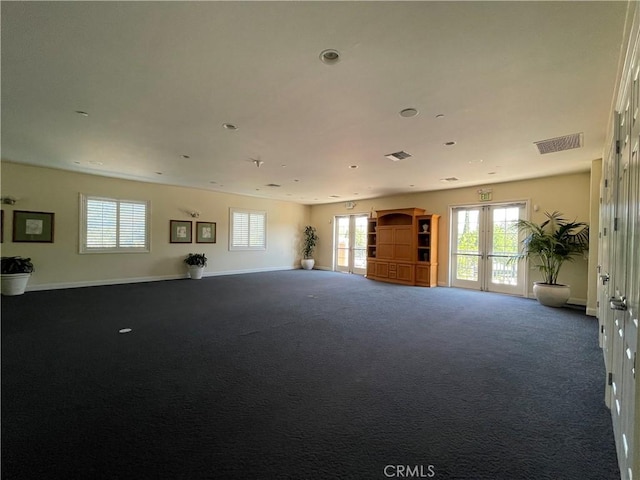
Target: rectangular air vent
559, 144
394, 157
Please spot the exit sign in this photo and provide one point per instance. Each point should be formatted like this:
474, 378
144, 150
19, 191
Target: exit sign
485, 195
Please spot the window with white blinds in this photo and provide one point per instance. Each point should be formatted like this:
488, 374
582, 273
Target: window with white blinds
248, 230
113, 225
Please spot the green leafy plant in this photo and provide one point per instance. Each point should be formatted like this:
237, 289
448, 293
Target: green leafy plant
309, 241
552, 243
197, 259
10, 265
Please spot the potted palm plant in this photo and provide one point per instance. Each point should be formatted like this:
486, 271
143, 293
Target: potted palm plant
309, 242
548, 246
15, 273
196, 263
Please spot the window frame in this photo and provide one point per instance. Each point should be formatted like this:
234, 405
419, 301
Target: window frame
83, 249
248, 247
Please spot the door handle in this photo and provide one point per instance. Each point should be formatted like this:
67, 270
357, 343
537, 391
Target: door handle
618, 303
605, 278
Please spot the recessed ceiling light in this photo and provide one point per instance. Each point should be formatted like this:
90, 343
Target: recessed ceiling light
80, 112
158, 173
449, 144
229, 126
353, 166
283, 166
412, 185
77, 162
408, 112
185, 156
330, 56
440, 116
272, 185
492, 173
212, 182
296, 180
334, 196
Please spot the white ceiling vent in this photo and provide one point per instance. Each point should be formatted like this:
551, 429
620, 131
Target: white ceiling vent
558, 144
394, 157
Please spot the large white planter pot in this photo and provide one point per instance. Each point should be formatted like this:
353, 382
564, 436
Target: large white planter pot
15, 283
308, 263
195, 272
551, 295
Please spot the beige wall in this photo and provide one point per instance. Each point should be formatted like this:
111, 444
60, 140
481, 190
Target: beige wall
569, 194
59, 264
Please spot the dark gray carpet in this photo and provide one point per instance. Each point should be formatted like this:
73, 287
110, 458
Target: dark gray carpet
299, 375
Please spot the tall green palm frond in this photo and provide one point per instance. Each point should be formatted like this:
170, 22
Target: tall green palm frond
553, 242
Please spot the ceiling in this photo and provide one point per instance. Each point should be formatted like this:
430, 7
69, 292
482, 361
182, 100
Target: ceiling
157, 82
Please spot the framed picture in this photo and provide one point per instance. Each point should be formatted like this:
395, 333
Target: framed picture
205, 232
33, 226
180, 231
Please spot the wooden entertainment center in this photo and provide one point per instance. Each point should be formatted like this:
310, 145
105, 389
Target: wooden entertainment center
402, 247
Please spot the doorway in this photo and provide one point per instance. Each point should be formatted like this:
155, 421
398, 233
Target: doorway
484, 247
350, 242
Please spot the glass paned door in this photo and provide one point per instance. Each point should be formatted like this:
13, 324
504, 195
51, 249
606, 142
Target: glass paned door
351, 244
484, 244
504, 273
466, 254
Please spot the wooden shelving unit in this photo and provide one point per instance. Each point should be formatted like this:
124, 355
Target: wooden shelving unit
427, 250
371, 237
400, 249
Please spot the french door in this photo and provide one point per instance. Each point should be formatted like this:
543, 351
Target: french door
619, 290
484, 244
350, 244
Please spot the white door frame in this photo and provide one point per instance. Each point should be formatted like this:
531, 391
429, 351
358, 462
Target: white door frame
352, 250
486, 230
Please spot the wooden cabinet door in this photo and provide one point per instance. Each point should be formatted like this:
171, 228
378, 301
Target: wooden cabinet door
403, 243
405, 272
422, 275
371, 268
382, 269
385, 242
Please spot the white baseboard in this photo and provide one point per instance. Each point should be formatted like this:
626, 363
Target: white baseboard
320, 267
157, 278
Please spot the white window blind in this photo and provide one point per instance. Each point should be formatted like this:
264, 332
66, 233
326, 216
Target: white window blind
248, 230
112, 225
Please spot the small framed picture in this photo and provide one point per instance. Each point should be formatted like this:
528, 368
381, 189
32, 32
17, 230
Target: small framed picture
33, 226
205, 232
180, 231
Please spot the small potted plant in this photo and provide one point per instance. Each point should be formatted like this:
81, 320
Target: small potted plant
196, 263
548, 246
309, 242
15, 273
